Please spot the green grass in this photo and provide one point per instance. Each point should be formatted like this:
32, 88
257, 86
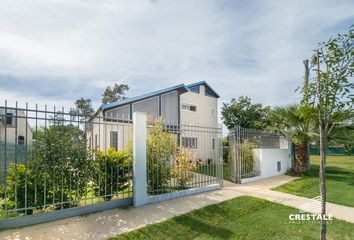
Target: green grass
210, 170
340, 181
240, 218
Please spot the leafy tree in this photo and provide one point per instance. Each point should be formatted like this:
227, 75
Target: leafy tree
116, 93
298, 124
112, 171
331, 93
244, 113
83, 107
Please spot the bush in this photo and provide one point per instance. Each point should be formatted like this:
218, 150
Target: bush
161, 149
247, 157
112, 169
58, 169
183, 168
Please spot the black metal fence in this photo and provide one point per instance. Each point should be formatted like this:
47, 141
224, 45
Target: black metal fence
243, 141
53, 159
181, 156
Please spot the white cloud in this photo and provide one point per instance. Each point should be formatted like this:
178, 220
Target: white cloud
62, 50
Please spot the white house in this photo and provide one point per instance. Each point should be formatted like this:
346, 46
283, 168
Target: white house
14, 127
191, 109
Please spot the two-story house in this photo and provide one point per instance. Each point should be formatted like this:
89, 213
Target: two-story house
192, 108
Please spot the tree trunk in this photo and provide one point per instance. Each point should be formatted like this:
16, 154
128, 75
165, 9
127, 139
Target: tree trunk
301, 157
323, 142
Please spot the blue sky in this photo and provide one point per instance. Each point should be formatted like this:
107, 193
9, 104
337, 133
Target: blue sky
57, 51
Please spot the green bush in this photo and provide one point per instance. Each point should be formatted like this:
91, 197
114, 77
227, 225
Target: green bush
161, 150
57, 170
112, 172
247, 157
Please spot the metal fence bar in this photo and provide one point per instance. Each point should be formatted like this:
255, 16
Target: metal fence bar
190, 159
48, 162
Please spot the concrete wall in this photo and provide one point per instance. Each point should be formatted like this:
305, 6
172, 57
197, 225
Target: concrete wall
267, 159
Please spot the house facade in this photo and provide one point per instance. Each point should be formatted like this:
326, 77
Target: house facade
15, 138
192, 109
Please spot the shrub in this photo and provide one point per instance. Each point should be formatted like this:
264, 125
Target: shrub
112, 170
161, 149
183, 168
248, 161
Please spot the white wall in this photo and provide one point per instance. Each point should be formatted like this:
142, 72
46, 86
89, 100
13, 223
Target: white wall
267, 160
204, 104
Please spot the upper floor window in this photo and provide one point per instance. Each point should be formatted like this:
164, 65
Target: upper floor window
208, 93
188, 107
9, 119
194, 89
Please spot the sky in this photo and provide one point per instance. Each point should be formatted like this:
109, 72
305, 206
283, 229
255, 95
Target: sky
54, 52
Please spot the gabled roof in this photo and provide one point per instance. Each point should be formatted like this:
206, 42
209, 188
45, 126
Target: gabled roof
205, 84
182, 87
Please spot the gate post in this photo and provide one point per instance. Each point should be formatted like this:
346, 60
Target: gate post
139, 159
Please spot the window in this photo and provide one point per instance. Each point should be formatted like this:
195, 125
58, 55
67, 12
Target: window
188, 107
208, 93
114, 140
213, 112
21, 140
278, 166
90, 143
190, 142
96, 142
9, 118
194, 89
213, 144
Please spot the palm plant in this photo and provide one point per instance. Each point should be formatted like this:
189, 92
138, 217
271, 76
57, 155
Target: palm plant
297, 123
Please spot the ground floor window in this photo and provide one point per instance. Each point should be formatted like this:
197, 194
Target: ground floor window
190, 142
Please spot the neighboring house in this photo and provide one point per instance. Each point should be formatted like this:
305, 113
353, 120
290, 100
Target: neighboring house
15, 135
187, 107
14, 128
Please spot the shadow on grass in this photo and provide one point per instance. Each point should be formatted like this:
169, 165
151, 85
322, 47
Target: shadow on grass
203, 227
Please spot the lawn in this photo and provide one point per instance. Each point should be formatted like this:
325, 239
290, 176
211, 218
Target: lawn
239, 218
211, 170
340, 181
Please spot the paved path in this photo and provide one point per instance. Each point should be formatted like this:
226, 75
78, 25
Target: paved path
112, 222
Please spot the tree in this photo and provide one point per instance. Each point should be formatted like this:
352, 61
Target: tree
331, 93
83, 107
298, 124
245, 114
116, 93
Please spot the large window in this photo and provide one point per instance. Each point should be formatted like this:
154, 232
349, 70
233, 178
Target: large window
114, 140
189, 107
190, 142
